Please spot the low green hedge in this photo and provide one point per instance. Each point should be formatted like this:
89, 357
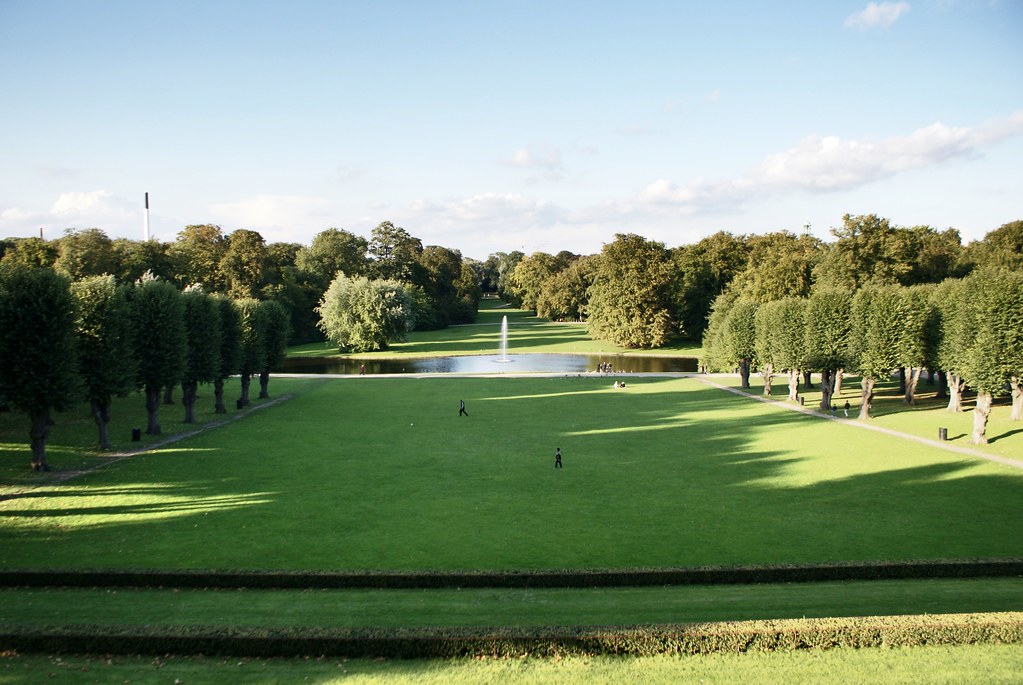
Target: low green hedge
198, 578
702, 638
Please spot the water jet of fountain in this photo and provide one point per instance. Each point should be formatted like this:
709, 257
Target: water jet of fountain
504, 340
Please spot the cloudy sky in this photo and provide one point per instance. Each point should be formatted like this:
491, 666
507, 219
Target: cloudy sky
495, 126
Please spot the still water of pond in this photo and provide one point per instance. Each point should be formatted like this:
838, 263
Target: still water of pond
492, 363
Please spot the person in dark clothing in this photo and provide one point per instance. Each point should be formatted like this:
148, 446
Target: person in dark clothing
557, 459
461, 408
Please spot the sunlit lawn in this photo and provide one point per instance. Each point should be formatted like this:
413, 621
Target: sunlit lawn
367, 473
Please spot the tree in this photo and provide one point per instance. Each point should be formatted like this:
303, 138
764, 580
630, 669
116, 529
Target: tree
740, 337
278, 329
103, 328
1001, 248
828, 327
787, 321
331, 251
31, 252
197, 254
441, 271
37, 345
701, 273
995, 359
135, 258
253, 343
360, 315
244, 263
564, 296
203, 336
630, 297
160, 341
779, 265
868, 249
86, 252
394, 254
530, 276
878, 316
230, 348
918, 339
957, 328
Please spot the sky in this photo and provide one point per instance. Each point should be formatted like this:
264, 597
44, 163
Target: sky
509, 125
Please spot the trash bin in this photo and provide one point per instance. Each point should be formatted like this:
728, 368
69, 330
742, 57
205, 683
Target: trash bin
943, 434
802, 401
136, 434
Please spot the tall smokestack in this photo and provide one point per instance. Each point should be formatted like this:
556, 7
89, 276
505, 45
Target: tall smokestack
146, 222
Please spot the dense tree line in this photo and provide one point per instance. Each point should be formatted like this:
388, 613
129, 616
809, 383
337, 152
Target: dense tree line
92, 339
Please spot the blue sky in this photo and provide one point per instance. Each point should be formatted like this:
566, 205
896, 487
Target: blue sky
497, 126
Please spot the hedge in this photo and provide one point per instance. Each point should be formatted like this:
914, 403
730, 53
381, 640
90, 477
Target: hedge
697, 638
269, 579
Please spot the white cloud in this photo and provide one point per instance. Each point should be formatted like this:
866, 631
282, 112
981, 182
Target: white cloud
830, 163
877, 15
275, 217
546, 161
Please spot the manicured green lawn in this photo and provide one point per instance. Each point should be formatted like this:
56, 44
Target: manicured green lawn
367, 473
981, 664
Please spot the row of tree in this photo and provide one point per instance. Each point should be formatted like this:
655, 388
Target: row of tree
64, 341
243, 265
969, 330
638, 293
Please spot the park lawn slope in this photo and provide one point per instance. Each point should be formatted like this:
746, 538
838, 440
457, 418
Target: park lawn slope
382, 474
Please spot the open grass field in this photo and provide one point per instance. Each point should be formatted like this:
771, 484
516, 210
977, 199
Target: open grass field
372, 474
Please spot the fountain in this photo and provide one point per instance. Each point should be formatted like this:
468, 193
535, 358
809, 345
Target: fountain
504, 341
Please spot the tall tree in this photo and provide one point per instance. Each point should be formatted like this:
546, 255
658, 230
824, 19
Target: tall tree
203, 333
788, 348
918, 340
1001, 248
331, 251
564, 296
105, 344
278, 329
701, 273
244, 263
37, 345
779, 265
197, 253
85, 252
953, 300
629, 301
868, 249
530, 276
828, 326
31, 252
394, 254
137, 257
740, 338
230, 348
878, 318
253, 343
160, 341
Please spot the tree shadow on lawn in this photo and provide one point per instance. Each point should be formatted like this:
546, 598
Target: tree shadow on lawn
674, 474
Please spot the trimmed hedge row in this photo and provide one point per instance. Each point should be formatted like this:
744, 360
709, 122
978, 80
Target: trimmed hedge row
700, 638
730, 575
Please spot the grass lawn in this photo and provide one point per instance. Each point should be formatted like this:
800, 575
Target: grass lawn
375, 474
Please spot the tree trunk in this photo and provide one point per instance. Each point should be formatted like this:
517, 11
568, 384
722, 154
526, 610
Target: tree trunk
38, 432
264, 383
1017, 398
188, 392
101, 414
866, 396
825, 390
980, 414
152, 410
246, 379
902, 380
955, 392
768, 374
793, 385
744, 373
838, 382
942, 392
168, 394
218, 393
806, 380
914, 380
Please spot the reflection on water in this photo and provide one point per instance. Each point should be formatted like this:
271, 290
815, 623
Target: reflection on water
492, 363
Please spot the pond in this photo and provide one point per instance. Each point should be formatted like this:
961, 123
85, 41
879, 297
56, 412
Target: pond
492, 363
